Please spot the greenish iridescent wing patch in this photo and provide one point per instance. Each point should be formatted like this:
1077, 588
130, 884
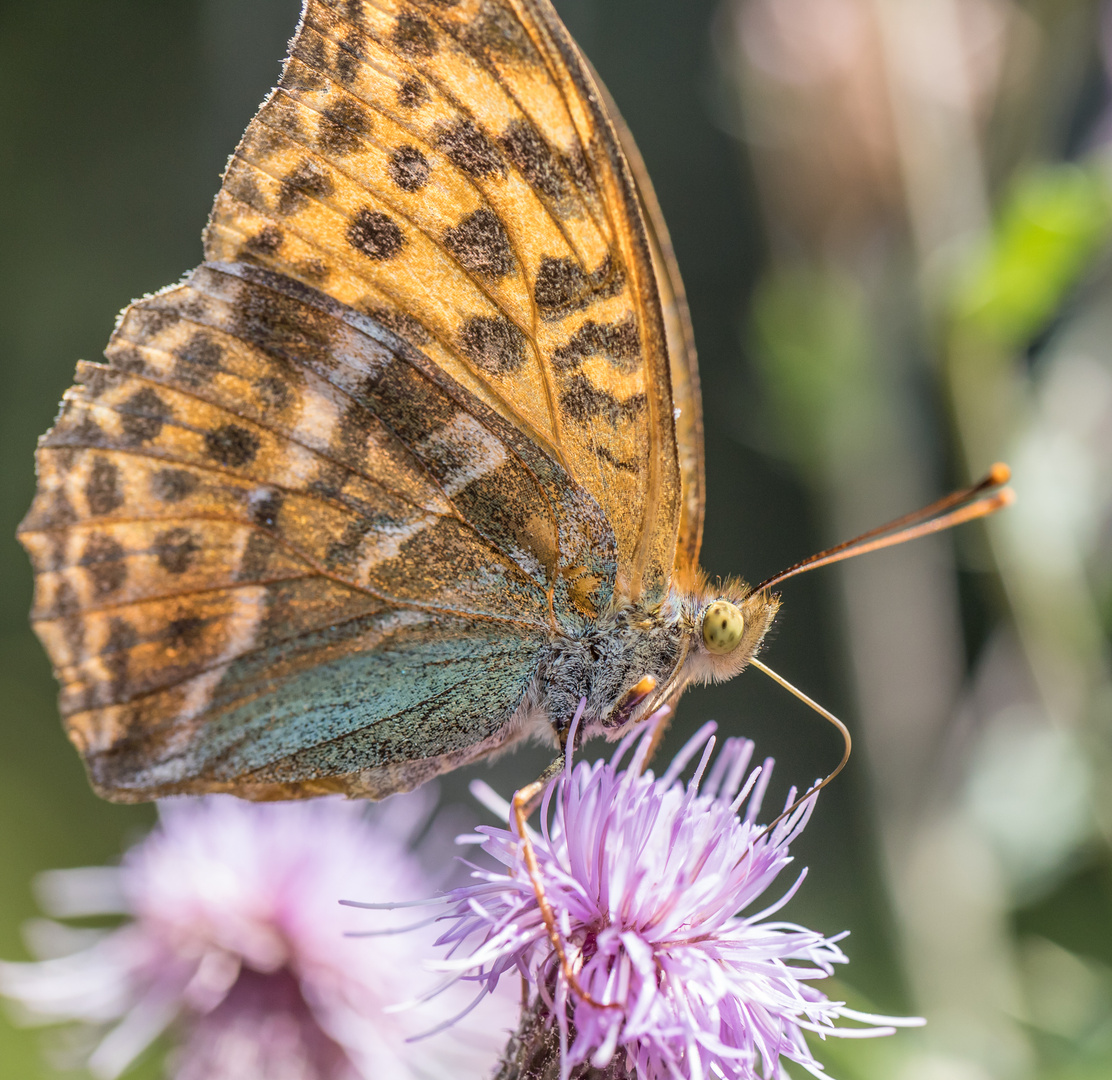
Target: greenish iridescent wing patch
371, 707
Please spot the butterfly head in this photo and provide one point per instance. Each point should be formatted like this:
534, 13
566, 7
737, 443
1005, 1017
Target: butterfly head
728, 621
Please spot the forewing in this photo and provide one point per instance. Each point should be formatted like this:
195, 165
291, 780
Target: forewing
448, 167
262, 529
683, 363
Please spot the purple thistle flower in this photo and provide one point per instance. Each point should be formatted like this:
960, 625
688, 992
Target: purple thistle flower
234, 933
647, 879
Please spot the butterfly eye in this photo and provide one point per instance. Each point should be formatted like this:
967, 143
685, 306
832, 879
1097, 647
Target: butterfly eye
723, 625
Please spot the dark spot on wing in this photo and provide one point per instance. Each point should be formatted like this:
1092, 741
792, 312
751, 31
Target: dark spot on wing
348, 60
342, 551
375, 235
469, 149
183, 633
584, 402
412, 93
481, 245
534, 159
96, 378
350, 443
198, 359
256, 557
306, 181
75, 427
300, 77
126, 357
605, 454
292, 332
497, 33
274, 392
105, 561
494, 344
56, 514
413, 36
122, 638
331, 477
577, 165
405, 326
562, 286
243, 185
409, 168
65, 602
265, 504
342, 126
352, 10
151, 321
172, 485
232, 445
175, 549
406, 401
274, 142
618, 342
102, 488
66, 607
142, 416
265, 242
311, 50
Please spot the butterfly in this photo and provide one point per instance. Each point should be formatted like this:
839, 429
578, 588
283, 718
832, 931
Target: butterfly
411, 465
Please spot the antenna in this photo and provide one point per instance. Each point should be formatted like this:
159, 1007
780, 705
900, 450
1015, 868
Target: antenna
968, 504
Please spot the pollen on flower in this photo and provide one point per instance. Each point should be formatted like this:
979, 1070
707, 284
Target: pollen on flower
234, 936
658, 889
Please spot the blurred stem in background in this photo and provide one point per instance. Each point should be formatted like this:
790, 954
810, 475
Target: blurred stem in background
937, 279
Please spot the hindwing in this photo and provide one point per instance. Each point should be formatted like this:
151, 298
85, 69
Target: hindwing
267, 524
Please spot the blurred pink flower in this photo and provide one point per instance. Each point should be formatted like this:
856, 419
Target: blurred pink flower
646, 878
234, 932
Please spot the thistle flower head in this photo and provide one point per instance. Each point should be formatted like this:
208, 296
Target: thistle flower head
233, 931
657, 889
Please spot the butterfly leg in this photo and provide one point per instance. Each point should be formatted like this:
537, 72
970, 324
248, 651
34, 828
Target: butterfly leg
525, 801
531, 794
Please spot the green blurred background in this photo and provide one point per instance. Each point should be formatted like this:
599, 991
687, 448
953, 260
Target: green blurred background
893, 221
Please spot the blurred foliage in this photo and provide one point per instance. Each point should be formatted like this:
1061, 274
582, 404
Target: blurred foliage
915, 320
1053, 221
812, 339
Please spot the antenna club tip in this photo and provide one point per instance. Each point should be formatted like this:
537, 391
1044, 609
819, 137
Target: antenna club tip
998, 474
1006, 497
